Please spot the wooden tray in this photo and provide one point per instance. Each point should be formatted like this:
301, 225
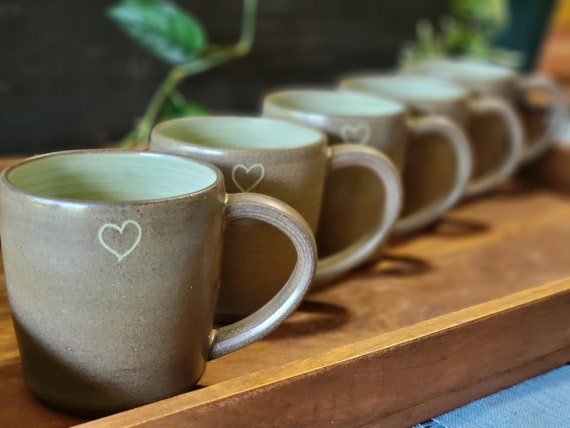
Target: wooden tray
553, 169
451, 315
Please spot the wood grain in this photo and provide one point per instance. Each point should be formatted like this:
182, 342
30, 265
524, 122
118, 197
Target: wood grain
553, 168
384, 343
396, 379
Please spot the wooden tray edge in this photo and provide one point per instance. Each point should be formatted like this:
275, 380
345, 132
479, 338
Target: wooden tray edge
394, 379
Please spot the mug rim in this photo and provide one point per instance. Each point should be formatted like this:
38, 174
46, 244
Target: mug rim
13, 188
461, 93
157, 135
460, 69
398, 108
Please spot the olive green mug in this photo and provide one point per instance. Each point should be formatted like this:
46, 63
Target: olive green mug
484, 78
492, 163
112, 262
388, 126
292, 163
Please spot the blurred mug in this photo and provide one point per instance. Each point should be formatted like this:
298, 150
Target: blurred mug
482, 78
112, 264
289, 162
492, 164
385, 125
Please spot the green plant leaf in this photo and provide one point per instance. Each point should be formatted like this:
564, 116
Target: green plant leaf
161, 27
173, 110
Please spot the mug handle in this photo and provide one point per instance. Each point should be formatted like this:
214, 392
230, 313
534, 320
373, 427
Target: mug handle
492, 105
351, 155
463, 157
258, 324
556, 115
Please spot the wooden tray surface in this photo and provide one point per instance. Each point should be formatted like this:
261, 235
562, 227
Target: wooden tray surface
450, 315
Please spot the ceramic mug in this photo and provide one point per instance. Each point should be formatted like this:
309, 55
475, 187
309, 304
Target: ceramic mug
485, 78
289, 162
387, 126
492, 164
112, 264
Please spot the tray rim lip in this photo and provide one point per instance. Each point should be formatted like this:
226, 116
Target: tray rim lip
375, 345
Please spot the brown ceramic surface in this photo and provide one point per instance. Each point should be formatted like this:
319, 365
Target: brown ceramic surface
289, 162
388, 127
112, 264
492, 162
484, 78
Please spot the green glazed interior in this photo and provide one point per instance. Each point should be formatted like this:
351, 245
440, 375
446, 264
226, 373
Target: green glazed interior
110, 176
239, 132
334, 103
405, 87
466, 69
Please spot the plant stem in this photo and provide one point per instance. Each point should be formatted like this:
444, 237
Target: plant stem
139, 136
177, 98
248, 25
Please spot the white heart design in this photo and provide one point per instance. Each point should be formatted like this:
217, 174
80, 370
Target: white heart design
250, 183
120, 229
359, 133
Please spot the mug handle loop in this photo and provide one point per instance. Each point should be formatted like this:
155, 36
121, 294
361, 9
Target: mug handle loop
463, 158
258, 324
351, 155
556, 115
492, 105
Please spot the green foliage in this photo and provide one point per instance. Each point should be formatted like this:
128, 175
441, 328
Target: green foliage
178, 38
177, 106
469, 31
486, 17
160, 27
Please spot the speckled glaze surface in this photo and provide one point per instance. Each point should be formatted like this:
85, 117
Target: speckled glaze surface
488, 79
288, 162
387, 126
112, 264
494, 159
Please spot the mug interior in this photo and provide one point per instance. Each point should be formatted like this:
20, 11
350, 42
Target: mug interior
467, 70
334, 103
110, 176
405, 87
238, 132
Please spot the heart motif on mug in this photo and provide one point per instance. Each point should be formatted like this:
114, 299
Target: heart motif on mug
120, 229
359, 133
246, 179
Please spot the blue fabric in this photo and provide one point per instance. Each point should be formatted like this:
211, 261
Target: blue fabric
542, 401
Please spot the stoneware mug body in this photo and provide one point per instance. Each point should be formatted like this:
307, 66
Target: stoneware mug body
482, 78
112, 264
289, 162
492, 164
350, 117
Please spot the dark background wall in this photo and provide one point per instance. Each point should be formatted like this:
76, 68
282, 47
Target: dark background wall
70, 79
